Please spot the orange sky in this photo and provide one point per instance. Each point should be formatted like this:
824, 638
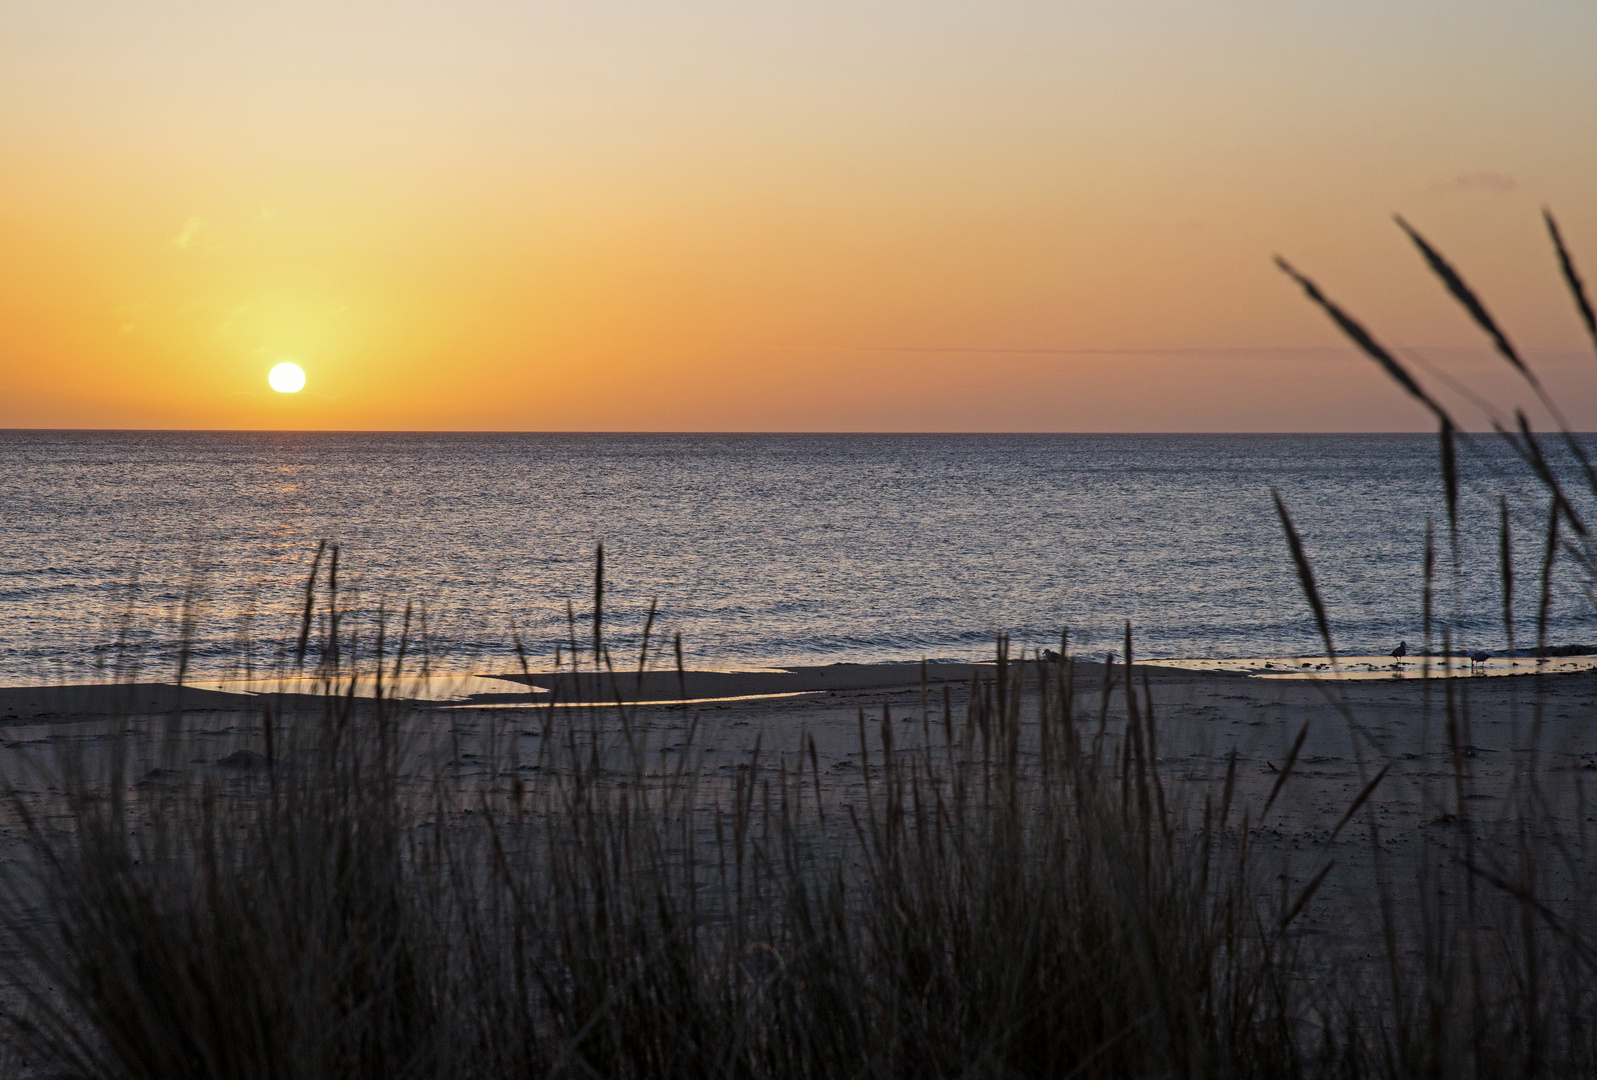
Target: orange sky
821, 216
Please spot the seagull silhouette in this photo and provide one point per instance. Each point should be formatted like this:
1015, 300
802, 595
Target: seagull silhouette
1401, 650
1479, 656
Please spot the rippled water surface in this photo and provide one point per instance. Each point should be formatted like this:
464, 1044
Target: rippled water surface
760, 549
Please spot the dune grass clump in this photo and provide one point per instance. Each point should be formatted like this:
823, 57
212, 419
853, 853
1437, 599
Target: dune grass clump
1014, 886
179, 922
369, 891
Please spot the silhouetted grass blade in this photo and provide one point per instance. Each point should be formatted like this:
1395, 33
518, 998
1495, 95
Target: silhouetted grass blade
1506, 569
1467, 299
1477, 311
310, 603
1549, 478
1549, 556
598, 605
1364, 340
1445, 435
1307, 894
1286, 769
1577, 287
1305, 574
1363, 796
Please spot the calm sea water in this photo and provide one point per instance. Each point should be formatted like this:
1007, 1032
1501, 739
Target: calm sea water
760, 549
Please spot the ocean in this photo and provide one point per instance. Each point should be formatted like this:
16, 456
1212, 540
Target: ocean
760, 550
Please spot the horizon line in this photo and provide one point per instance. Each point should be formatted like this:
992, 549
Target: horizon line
701, 432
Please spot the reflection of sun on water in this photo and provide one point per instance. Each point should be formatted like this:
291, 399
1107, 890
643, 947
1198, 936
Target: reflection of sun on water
287, 378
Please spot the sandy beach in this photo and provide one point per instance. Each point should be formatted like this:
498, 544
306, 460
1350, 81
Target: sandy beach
1508, 731
1528, 721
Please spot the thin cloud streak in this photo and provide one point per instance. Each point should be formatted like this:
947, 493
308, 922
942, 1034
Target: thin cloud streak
1262, 352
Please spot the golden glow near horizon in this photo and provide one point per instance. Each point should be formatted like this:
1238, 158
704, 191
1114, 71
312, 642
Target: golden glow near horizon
286, 378
709, 216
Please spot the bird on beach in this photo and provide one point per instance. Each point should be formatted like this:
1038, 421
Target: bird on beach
1401, 650
1479, 656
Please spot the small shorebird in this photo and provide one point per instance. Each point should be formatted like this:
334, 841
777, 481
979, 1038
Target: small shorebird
1401, 650
1479, 656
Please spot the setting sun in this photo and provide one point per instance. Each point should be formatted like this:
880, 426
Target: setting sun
287, 378
714, 217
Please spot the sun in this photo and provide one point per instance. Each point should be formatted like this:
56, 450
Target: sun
287, 378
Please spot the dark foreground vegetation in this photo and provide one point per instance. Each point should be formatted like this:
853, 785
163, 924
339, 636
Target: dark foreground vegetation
1018, 888
1022, 892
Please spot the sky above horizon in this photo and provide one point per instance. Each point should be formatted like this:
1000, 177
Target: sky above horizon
864, 216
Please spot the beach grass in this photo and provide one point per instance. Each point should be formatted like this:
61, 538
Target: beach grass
1023, 889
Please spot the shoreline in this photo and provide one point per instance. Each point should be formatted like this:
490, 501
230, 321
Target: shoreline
24, 703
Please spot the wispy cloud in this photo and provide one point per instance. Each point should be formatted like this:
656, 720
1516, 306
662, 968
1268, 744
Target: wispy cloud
124, 314
1483, 181
1270, 353
1202, 351
194, 236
